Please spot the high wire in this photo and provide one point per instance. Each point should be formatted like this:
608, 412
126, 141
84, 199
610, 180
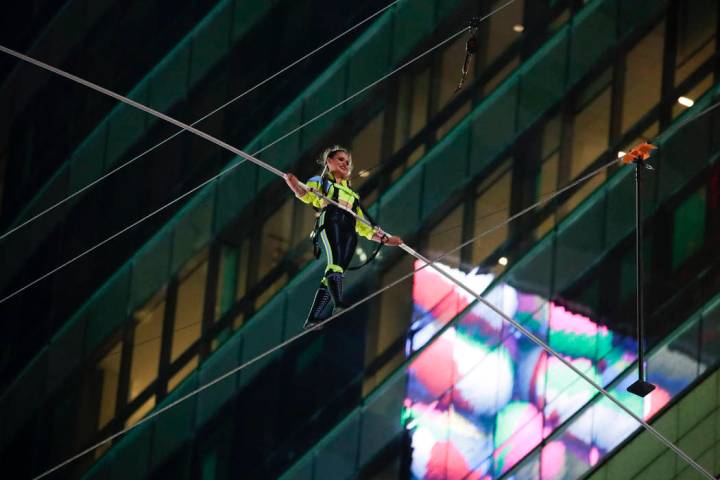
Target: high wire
203, 135
322, 324
206, 116
404, 247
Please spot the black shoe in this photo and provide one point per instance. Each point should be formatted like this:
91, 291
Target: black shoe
335, 285
317, 312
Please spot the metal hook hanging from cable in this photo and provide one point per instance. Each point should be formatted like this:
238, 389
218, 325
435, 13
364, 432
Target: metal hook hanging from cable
471, 46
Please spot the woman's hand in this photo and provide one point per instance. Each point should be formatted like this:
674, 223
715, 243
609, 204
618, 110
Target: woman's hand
294, 184
394, 241
386, 239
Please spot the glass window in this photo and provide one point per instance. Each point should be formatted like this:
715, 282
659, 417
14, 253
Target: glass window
232, 283
501, 27
697, 22
390, 324
421, 89
140, 412
450, 71
267, 294
366, 149
492, 206
445, 236
688, 227
453, 120
189, 311
146, 347
497, 79
643, 77
3, 162
109, 369
402, 113
591, 129
582, 192
186, 370
694, 94
275, 238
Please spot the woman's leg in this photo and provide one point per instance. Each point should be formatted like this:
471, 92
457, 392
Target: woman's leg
339, 244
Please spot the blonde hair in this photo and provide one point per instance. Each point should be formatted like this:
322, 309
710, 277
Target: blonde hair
330, 153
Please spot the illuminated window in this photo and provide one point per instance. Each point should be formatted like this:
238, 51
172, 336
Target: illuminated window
451, 64
643, 77
492, 206
109, 370
693, 94
384, 330
500, 27
697, 24
189, 310
276, 237
366, 148
146, 346
138, 414
186, 370
446, 235
591, 127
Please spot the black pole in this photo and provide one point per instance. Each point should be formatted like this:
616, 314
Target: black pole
641, 387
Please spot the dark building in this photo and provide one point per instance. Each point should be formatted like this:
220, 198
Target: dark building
421, 381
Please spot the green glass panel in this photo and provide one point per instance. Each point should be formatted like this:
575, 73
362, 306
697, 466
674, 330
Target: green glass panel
66, 351
284, 153
400, 206
211, 40
236, 189
105, 311
26, 395
587, 47
543, 80
88, 161
170, 80
533, 273
580, 242
493, 126
370, 58
193, 229
382, 416
222, 361
688, 228
175, 426
325, 93
132, 455
261, 334
245, 14
125, 127
151, 268
447, 166
413, 20
336, 457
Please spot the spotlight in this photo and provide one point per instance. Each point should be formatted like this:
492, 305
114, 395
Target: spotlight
519, 28
686, 101
503, 261
621, 154
363, 173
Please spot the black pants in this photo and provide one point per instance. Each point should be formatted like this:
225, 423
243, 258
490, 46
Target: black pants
338, 238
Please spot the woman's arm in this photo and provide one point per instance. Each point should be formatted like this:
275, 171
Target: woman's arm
294, 184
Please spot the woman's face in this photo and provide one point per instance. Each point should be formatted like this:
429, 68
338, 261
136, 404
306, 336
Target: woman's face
339, 165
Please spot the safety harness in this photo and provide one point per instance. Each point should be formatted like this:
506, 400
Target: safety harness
326, 183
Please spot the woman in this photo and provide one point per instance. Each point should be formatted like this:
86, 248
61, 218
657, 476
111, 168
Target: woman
336, 227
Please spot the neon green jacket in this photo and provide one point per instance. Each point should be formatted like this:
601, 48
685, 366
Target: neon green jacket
346, 197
